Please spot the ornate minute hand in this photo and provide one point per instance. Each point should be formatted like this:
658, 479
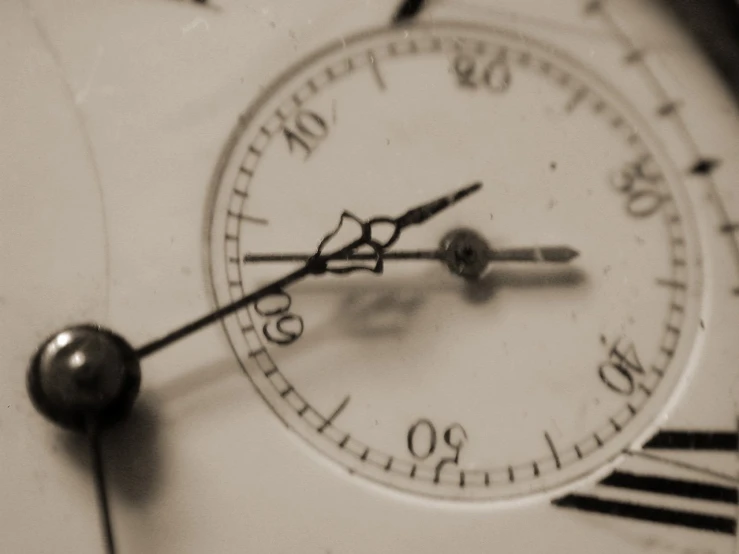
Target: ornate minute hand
88, 373
318, 263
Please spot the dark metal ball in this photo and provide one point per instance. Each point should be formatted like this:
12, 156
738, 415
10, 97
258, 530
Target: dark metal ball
84, 374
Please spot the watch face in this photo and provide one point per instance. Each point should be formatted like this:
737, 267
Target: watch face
363, 277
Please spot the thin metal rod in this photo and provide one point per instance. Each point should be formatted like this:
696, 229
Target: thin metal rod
100, 487
399, 255
212, 317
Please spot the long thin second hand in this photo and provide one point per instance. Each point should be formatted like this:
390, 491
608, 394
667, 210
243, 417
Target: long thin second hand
553, 254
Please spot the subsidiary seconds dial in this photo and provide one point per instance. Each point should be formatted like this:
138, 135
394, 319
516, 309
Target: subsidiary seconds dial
490, 360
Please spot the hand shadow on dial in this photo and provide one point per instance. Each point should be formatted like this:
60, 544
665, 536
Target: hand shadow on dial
372, 302
374, 307
386, 307
484, 289
131, 454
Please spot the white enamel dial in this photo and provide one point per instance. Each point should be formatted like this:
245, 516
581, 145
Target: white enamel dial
162, 158
516, 381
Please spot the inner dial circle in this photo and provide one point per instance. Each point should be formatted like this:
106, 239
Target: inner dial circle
524, 380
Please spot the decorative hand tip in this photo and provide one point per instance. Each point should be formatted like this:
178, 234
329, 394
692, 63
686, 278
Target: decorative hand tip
318, 263
421, 214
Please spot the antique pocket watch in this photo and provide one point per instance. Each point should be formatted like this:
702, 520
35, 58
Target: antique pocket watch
357, 276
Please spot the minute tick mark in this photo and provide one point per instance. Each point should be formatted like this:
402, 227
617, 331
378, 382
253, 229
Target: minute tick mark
576, 100
731, 227
407, 11
557, 462
634, 56
376, 70
705, 166
672, 283
248, 218
668, 108
330, 419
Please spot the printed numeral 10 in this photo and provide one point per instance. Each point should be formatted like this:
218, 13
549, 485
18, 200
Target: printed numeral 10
306, 131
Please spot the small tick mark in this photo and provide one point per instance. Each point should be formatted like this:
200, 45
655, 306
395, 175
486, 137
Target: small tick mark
634, 56
671, 283
668, 108
593, 7
408, 10
657, 370
704, 166
729, 227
